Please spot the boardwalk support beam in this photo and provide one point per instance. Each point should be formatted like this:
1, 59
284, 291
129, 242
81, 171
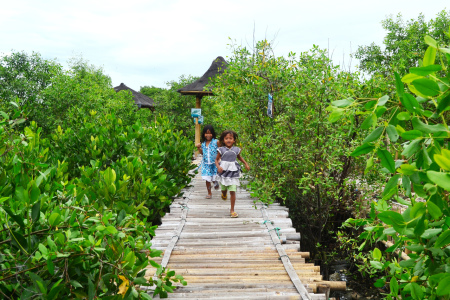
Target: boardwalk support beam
283, 256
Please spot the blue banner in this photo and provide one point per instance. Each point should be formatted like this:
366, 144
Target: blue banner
270, 106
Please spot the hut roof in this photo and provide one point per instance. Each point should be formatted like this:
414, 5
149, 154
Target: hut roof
141, 100
197, 87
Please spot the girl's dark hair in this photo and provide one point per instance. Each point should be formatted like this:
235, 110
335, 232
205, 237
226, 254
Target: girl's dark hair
205, 129
224, 134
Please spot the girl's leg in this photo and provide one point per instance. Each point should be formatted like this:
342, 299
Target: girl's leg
232, 200
208, 187
224, 192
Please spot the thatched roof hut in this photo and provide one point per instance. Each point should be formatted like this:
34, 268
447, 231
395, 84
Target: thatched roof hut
141, 100
196, 88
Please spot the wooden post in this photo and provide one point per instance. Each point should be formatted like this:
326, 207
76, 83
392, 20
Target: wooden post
198, 101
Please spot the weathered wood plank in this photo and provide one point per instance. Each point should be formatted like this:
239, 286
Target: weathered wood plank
284, 257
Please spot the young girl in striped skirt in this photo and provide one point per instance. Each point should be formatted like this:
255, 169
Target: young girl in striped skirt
229, 170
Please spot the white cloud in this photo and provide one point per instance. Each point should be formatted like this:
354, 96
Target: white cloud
151, 42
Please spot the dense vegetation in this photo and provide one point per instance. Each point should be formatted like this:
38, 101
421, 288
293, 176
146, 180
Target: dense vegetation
84, 176
80, 199
305, 158
409, 137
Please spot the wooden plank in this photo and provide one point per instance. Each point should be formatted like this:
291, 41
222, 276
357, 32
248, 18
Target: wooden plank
284, 257
175, 237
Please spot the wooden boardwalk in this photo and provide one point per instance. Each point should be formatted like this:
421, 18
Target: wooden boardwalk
234, 258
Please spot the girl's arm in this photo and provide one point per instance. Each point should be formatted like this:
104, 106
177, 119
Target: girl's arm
243, 161
199, 147
218, 157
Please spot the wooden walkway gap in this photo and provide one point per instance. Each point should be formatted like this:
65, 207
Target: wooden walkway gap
254, 256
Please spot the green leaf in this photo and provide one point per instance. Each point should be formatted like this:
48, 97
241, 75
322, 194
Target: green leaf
392, 183
430, 41
51, 244
35, 193
369, 164
335, 115
343, 102
420, 227
412, 148
443, 288
36, 211
407, 169
408, 78
18, 219
50, 266
399, 85
374, 135
376, 254
382, 101
18, 240
424, 71
434, 210
429, 56
376, 264
393, 284
411, 134
439, 178
379, 283
426, 87
111, 229
419, 125
429, 233
416, 248
54, 219
392, 133
109, 176
443, 103
145, 211
416, 291
410, 103
443, 239
75, 284
386, 159
140, 280
406, 183
407, 263
369, 121
21, 195
404, 116
363, 149
154, 264
91, 289
417, 210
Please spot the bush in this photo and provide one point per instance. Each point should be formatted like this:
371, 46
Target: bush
84, 234
411, 142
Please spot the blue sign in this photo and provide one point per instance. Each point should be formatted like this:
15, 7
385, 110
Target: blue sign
199, 120
196, 112
270, 106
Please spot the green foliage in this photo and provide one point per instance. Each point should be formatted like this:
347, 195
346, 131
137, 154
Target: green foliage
86, 234
56, 97
298, 156
403, 44
173, 105
23, 76
409, 138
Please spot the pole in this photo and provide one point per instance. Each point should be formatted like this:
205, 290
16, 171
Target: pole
198, 101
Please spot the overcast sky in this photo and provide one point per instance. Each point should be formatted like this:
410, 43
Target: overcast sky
151, 42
